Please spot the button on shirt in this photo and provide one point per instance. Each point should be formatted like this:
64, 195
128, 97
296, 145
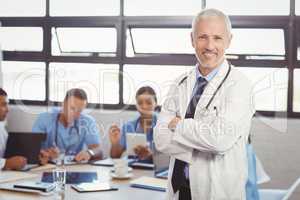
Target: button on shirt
72, 139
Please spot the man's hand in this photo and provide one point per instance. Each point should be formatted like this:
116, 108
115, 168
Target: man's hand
173, 123
114, 134
53, 152
82, 156
143, 152
15, 163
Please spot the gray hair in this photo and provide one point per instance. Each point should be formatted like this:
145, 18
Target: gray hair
211, 12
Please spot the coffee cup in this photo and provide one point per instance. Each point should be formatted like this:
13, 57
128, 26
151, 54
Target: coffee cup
121, 167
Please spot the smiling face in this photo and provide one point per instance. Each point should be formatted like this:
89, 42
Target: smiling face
210, 39
145, 104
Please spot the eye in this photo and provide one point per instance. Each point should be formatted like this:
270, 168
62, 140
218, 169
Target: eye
218, 38
202, 37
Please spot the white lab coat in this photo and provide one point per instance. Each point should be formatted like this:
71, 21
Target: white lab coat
214, 144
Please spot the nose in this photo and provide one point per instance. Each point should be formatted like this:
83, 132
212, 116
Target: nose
210, 44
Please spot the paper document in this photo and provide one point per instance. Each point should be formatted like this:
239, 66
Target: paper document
9, 176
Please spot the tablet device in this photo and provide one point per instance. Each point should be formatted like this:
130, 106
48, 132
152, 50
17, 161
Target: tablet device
133, 140
93, 187
73, 177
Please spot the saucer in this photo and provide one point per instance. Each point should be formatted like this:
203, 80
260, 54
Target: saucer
127, 176
129, 169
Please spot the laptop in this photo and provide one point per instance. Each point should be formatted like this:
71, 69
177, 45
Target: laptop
25, 144
161, 164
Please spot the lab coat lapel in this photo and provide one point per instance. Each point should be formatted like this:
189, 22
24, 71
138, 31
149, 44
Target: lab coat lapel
185, 91
212, 86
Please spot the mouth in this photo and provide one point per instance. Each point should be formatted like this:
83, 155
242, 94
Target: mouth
209, 54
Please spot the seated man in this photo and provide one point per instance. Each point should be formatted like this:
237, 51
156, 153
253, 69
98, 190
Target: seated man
69, 130
15, 162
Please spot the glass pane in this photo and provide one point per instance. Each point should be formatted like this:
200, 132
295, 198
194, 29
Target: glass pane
24, 80
253, 41
253, 7
297, 7
16, 8
157, 7
159, 40
21, 38
100, 81
270, 87
296, 103
84, 7
84, 41
136, 76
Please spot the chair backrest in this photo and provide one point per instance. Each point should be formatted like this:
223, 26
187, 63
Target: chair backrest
276, 194
291, 189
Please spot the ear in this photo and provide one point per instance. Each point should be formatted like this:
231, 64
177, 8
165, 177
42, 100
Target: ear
229, 41
192, 39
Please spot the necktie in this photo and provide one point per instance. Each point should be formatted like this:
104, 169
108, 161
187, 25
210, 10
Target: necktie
178, 176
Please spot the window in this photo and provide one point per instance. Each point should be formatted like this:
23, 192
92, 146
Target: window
158, 77
24, 80
100, 81
296, 101
14, 8
258, 42
298, 39
84, 41
84, 7
158, 40
21, 38
297, 7
253, 7
269, 87
157, 7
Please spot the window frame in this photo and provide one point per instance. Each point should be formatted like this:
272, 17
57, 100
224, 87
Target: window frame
290, 24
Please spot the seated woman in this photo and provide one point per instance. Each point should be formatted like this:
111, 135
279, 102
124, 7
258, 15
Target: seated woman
146, 102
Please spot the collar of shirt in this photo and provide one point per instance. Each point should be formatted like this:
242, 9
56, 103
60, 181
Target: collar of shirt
56, 112
208, 77
153, 123
211, 75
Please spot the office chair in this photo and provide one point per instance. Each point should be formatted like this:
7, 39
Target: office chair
276, 194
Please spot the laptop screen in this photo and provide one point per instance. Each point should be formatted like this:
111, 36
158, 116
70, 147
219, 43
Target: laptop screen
24, 144
161, 161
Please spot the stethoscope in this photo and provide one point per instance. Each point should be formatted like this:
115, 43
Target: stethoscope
205, 111
72, 128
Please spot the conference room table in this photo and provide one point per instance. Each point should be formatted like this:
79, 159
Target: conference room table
124, 192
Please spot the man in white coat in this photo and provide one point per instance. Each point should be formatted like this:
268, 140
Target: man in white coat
205, 119
15, 162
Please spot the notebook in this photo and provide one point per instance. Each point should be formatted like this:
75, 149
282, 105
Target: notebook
150, 183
